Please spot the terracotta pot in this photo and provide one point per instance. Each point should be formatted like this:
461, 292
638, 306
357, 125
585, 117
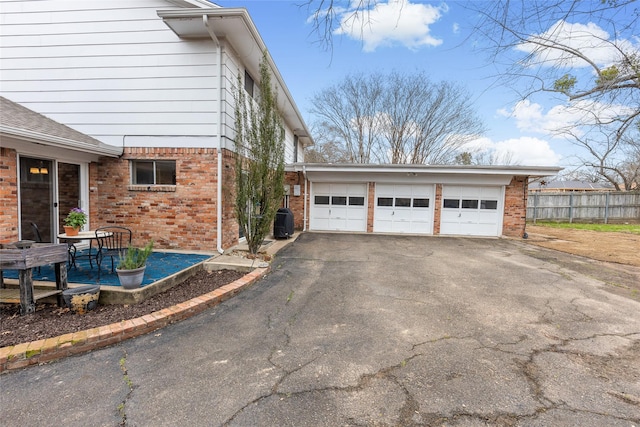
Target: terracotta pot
70, 231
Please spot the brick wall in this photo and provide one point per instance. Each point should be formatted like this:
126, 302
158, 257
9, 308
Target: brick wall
371, 203
296, 203
437, 209
180, 217
8, 195
515, 207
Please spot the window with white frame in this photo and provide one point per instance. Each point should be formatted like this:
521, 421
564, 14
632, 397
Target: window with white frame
153, 172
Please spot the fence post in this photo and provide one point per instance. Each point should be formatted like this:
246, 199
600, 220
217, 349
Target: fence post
535, 207
570, 207
606, 208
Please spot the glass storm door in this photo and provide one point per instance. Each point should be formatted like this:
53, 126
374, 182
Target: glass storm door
40, 205
36, 199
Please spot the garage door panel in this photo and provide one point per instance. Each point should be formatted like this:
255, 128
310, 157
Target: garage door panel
338, 207
471, 211
403, 208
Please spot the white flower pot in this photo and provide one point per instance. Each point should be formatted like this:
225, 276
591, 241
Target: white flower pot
131, 279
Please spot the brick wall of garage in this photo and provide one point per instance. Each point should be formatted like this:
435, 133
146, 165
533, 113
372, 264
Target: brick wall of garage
514, 220
296, 203
515, 207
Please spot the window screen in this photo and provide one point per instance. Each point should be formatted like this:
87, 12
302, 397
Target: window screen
451, 203
338, 200
321, 200
488, 204
469, 204
403, 202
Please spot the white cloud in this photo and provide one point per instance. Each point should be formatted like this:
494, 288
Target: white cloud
456, 28
588, 39
526, 151
531, 117
392, 22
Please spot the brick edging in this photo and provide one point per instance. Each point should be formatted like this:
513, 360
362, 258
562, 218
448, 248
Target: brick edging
41, 351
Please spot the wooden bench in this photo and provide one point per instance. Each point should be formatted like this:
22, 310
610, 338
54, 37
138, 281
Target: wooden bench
24, 260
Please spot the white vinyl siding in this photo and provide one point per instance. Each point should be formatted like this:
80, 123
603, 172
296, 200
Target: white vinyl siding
111, 69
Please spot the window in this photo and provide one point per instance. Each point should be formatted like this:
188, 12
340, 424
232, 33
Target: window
248, 83
295, 148
385, 201
403, 202
356, 201
321, 200
153, 172
451, 203
339, 201
469, 204
488, 204
420, 203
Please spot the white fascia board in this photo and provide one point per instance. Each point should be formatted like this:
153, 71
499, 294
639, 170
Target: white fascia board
189, 23
422, 170
100, 149
192, 3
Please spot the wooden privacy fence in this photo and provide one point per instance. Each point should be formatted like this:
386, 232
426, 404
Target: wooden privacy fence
608, 206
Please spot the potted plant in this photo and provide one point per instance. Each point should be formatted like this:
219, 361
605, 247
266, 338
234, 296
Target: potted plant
74, 221
132, 266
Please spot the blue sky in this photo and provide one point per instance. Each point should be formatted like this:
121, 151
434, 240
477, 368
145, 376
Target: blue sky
434, 37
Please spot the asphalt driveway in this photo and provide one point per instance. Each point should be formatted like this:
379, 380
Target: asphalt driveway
368, 330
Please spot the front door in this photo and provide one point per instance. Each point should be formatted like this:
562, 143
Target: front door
41, 208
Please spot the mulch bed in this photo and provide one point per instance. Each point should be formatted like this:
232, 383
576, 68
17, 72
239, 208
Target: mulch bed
49, 320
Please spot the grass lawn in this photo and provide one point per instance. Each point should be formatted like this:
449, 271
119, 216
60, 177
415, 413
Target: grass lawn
618, 228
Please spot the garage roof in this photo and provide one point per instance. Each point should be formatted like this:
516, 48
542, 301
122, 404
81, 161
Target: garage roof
533, 171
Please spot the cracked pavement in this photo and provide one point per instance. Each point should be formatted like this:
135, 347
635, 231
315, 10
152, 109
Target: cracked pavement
369, 330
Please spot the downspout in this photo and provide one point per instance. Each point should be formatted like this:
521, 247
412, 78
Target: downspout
304, 210
205, 20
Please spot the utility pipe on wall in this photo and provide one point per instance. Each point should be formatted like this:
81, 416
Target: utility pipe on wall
205, 20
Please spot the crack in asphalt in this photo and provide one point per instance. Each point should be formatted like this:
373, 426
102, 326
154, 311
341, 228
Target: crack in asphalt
122, 406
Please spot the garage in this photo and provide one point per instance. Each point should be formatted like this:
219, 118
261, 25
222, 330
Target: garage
338, 207
403, 208
471, 210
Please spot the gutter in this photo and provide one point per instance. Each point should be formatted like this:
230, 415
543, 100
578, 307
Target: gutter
205, 20
99, 148
304, 209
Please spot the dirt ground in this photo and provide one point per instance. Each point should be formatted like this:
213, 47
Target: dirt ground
621, 248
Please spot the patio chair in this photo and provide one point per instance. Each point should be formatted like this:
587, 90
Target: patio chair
113, 242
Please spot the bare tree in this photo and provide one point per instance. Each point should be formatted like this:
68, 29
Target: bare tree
586, 53
397, 118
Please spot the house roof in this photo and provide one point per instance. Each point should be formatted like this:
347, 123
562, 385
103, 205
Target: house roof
19, 122
237, 28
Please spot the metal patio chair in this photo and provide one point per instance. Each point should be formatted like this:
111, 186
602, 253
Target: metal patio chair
113, 242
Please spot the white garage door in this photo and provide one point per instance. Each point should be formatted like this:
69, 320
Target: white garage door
403, 209
339, 207
471, 211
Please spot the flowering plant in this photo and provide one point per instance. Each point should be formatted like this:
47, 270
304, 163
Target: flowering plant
76, 218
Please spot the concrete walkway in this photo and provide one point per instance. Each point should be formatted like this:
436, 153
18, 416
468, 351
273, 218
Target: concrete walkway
367, 330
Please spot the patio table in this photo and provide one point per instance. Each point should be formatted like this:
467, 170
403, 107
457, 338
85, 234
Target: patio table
72, 240
25, 260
